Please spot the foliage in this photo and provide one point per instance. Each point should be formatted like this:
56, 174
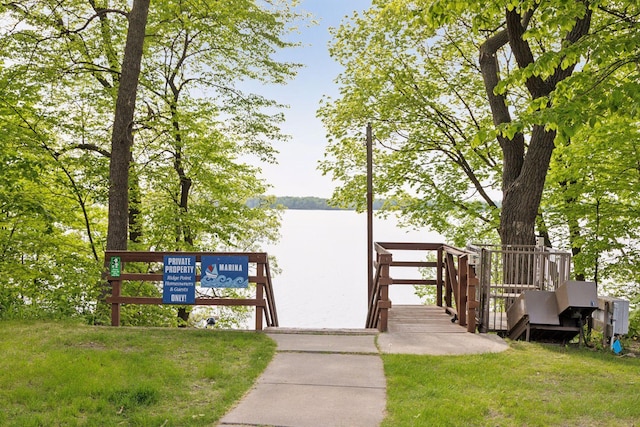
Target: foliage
530, 384
62, 373
411, 87
634, 320
59, 74
412, 69
49, 256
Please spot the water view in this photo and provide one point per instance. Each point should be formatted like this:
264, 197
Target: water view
323, 261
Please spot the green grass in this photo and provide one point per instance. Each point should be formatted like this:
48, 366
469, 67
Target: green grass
62, 373
528, 385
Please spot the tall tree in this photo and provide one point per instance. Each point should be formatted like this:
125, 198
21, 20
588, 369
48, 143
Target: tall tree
202, 138
524, 166
122, 136
66, 56
464, 97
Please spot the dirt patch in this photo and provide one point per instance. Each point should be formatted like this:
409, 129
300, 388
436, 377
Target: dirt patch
91, 345
631, 347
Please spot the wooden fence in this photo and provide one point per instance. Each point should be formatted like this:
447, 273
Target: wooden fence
264, 300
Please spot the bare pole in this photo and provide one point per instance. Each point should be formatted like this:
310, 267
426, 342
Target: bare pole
369, 211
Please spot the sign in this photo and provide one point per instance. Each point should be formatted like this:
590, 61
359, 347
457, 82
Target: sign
179, 280
225, 272
115, 266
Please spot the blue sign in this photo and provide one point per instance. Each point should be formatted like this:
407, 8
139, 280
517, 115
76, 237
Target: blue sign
179, 280
225, 272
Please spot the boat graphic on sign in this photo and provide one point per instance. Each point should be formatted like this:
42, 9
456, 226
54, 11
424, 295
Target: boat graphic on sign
211, 272
225, 272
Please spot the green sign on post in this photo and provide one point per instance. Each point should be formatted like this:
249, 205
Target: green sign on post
115, 266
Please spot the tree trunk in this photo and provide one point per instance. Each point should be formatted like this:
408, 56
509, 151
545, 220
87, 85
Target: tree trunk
122, 135
135, 214
524, 170
574, 226
521, 198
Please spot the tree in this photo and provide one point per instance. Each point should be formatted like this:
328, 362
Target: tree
525, 168
66, 57
466, 95
202, 123
122, 136
48, 252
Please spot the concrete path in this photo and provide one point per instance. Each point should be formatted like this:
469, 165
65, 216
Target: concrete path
317, 379
336, 378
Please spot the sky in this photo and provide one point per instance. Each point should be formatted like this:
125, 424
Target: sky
296, 173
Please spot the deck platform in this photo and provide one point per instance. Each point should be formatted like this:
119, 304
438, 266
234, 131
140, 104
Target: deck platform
422, 329
421, 319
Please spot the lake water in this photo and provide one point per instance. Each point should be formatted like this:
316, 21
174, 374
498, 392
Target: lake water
322, 256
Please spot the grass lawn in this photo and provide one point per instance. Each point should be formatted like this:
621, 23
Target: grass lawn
528, 385
63, 373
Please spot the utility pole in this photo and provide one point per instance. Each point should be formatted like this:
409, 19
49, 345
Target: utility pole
369, 211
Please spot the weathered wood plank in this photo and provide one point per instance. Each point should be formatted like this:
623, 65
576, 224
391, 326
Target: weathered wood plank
421, 319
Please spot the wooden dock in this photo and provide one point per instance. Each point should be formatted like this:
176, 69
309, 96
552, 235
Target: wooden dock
423, 319
422, 329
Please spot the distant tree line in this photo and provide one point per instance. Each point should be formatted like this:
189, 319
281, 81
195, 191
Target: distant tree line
307, 203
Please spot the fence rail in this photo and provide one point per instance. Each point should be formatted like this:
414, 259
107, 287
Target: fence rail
475, 285
264, 300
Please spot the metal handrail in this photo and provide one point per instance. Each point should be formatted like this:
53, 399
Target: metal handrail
506, 271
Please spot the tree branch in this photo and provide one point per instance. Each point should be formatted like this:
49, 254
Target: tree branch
523, 54
99, 13
88, 147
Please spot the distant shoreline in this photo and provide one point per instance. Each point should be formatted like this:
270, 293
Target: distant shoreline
307, 203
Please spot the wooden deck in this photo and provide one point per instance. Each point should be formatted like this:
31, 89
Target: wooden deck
421, 329
421, 319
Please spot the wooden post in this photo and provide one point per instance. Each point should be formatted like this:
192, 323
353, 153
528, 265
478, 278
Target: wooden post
461, 304
383, 324
439, 279
448, 290
259, 295
472, 304
369, 211
115, 307
384, 304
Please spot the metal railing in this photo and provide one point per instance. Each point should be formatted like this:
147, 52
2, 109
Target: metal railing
505, 272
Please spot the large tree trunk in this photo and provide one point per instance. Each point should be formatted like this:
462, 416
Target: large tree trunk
524, 169
521, 197
122, 135
135, 217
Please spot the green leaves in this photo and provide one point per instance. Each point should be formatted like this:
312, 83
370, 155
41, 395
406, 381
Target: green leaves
195, 125
415, 75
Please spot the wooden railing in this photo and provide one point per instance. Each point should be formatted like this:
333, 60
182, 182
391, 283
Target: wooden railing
455, 281
264, 300
460, 282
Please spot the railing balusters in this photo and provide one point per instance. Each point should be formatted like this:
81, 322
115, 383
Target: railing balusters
456, 284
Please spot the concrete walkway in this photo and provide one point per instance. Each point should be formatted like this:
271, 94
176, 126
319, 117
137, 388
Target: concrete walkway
336, 377
317, 379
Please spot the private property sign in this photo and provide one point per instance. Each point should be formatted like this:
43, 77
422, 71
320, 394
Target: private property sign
179, 280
